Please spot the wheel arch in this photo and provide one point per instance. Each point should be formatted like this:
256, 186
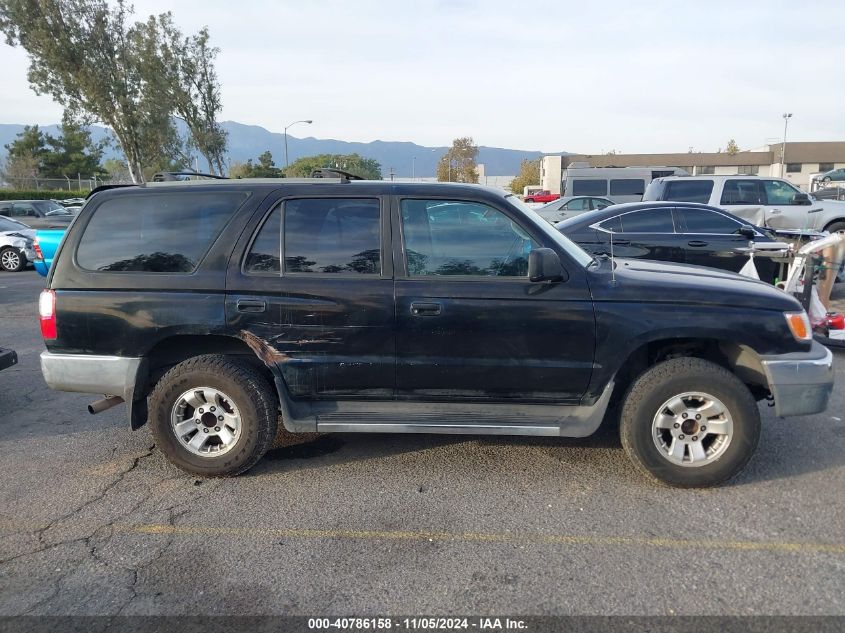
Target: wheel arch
177, 348
738, 358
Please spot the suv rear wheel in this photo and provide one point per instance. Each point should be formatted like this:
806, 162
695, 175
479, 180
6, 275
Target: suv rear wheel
213, 416
689, 422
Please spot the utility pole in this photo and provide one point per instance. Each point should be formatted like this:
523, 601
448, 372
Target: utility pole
413, 168
786, 117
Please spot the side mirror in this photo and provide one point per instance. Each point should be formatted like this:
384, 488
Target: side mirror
747, 231
801, 198
544, 265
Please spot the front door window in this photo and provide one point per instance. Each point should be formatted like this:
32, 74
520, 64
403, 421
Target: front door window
450, 237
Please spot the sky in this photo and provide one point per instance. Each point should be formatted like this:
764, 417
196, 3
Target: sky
588, 76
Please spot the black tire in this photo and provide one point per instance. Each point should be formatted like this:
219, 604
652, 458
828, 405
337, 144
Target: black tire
248, 390
836, 227
12, 259
677, 376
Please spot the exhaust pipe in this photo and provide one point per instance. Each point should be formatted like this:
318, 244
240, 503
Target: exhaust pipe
99, 406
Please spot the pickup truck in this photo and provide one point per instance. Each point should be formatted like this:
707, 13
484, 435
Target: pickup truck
45, 246
542, 196
769, 202
369, 306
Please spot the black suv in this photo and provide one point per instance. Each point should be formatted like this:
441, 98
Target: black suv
216, 309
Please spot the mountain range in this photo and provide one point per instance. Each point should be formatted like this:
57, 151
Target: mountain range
249, 141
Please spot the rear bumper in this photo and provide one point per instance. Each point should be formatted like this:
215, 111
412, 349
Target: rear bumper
8, 357
801, 383
110, 375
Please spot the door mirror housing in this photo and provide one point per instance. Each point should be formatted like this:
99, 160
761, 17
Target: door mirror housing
544, 265
801, 198
747, 231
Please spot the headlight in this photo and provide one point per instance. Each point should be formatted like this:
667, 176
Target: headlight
799, 325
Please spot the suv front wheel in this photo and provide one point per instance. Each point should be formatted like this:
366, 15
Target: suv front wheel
689, 422
213, 416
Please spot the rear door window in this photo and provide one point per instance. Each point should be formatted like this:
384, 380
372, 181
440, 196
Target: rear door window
265, 254
742, 192
339, 236
155, 233
688, 191
648, 221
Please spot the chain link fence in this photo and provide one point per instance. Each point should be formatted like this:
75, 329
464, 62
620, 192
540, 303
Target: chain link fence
80, 183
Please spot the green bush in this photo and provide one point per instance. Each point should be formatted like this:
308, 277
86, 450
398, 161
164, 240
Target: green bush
44, 194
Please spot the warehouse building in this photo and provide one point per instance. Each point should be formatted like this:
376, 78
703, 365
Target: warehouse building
803, 161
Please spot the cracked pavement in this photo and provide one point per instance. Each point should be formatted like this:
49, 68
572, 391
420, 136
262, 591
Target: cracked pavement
94, 521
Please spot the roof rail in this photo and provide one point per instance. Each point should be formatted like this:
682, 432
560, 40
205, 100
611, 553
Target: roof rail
106, 188
331, 172
169, 176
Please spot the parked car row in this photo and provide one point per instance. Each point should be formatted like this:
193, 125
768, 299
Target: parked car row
36, 214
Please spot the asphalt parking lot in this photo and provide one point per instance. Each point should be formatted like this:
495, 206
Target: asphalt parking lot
94, 521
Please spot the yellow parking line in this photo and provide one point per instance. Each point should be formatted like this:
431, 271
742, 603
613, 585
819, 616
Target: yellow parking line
164, 529
550, 539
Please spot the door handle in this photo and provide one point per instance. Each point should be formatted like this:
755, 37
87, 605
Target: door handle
425, 309
251, 305
697, 243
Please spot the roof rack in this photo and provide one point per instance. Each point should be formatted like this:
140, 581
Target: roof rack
331, 172
169, 176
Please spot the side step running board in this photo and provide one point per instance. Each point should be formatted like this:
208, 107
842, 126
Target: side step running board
392, 416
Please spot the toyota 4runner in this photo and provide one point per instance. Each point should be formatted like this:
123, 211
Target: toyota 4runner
218, 310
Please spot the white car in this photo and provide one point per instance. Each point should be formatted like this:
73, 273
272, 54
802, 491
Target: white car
771, 202
564, 208
15, 245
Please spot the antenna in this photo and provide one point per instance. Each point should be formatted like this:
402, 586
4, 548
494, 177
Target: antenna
612, 261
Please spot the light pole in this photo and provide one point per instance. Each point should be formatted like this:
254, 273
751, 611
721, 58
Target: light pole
309, 121
786, 117
413, 167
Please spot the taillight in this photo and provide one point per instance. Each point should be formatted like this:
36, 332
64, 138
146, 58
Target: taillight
37, 248
47, 313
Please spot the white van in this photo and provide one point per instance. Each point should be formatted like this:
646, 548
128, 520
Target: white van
619, 184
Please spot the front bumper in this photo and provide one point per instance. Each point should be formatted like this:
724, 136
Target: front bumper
8, 357
108, 375
801, 382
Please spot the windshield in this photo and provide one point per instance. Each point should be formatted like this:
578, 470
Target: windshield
575, 251
48, 207
7, 224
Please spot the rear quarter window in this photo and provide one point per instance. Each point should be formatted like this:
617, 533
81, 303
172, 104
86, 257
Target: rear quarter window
158, 233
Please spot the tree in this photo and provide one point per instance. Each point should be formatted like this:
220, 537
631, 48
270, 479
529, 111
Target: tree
529, 174
182, 68
367, 168
458, 164
116, 169
72, 153
732, 148
266, 168
89, 57
34, 154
